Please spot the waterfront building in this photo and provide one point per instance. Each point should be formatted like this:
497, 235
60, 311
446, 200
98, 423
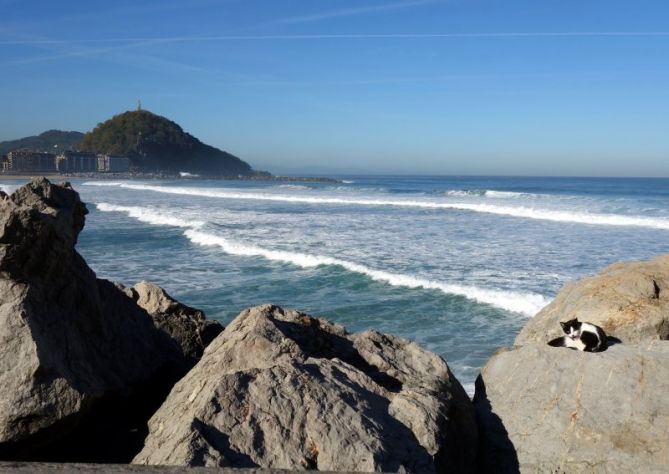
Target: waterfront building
77, 162
113, 164
30, 161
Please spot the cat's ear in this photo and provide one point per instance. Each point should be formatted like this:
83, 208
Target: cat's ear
565, 327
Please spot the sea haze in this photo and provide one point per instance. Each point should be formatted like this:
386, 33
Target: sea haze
455, 264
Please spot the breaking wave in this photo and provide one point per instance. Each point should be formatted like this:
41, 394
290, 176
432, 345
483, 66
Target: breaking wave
8, 188
149, 216
291, 186
525, 303
487, 193
513, 211
102, 183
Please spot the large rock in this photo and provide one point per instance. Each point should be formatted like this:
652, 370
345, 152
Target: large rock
547, 409
628, 300
280, 389
187, 326
72, 344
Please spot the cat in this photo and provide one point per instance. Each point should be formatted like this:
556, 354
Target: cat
582, 336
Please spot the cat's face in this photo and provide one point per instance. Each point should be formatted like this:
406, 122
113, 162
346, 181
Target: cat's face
571, 328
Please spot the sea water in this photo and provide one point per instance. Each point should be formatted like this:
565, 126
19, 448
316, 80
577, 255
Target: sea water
457, 264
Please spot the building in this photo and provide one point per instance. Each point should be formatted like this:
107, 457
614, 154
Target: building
113, 164
30, 161
77, 162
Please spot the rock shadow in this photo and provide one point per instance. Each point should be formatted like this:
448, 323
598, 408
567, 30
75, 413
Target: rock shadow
111, 426
496, 452
407, 452
219, 441
321, 344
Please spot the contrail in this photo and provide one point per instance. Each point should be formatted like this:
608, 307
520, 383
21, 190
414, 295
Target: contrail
354, 36
349, 12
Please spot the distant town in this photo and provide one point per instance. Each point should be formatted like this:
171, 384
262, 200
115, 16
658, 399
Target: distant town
28, 161
133, 144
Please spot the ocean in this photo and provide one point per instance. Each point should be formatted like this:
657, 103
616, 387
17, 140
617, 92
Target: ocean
457, 264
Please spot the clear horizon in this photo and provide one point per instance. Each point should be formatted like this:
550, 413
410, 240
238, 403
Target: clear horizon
419, 87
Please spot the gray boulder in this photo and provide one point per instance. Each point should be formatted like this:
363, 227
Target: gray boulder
71, 343
187, 326
547, 409
280, 389
629, 301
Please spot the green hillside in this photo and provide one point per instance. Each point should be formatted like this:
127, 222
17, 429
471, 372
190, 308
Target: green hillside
154, 143
52, 141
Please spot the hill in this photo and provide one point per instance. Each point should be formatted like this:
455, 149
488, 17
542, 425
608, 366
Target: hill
51, 141
154, 143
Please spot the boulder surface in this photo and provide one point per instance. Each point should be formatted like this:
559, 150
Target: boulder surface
81, 363
281, 389
628, 300
187, 326
548, 409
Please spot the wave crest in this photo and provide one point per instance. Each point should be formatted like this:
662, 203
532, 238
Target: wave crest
149, 216
490, 193
292, 186
8, 188
525, 303
512, 211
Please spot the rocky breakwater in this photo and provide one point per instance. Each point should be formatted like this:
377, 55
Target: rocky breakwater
548, 409
86, 362
185, 325
82, 365
281, 389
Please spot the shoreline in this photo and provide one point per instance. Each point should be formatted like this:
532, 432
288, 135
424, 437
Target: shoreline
160, 176
169, 377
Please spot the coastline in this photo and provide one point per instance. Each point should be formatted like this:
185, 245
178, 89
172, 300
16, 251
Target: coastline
411, 234
231, 391
164, 176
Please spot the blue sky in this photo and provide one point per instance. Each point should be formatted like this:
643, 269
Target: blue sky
371, 86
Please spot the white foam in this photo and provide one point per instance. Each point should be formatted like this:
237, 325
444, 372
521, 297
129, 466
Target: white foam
357, 190
102, 183
465, 192
505, 194
489, 193
8, 188
186, 174
470, 388
149, 216
513, 211
524, 303
347, 181
292, 186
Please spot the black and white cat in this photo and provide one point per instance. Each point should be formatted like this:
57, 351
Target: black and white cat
582, 336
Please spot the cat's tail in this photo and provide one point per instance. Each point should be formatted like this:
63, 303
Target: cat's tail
557, 342
611, 341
